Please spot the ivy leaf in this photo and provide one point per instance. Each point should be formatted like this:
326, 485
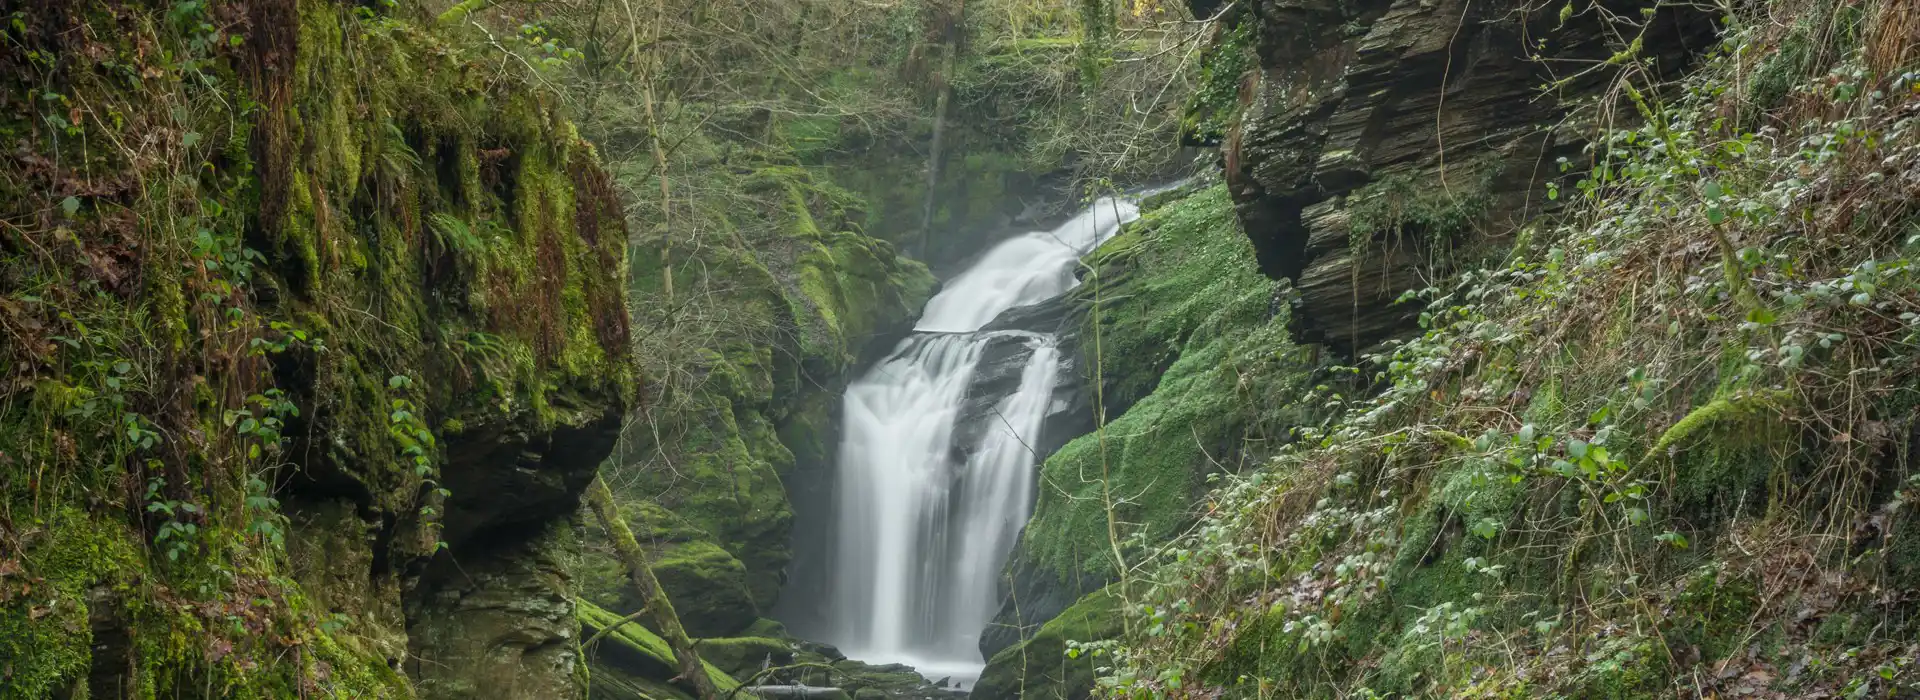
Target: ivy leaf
1486, 528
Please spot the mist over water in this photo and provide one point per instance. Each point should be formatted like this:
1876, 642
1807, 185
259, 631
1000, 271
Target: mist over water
922, 525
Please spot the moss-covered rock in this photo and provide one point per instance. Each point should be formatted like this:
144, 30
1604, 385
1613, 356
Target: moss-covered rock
1043, 666
708, 587
1191, 340
745, 656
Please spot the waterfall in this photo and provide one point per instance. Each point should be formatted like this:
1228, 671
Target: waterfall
922, 521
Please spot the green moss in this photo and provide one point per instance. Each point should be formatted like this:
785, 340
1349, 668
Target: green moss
708, 588
632, 658
318, 241
44, 627
744, 656
766, 628
1185, 327
1719, 411
1042, 666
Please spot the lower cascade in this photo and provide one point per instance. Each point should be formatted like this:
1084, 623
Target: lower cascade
925, 509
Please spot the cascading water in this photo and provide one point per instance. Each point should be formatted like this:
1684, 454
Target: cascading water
923, 524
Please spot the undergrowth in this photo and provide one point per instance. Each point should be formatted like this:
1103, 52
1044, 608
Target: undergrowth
1663, 450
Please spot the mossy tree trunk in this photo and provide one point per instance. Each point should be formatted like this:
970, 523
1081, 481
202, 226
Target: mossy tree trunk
952, 26
653, 599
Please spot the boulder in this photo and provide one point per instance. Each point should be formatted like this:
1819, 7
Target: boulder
745, 656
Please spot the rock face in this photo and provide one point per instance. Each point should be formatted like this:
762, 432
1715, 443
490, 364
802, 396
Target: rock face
378, 325
1380, 142
500, 623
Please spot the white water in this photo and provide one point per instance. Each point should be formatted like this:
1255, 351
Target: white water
920, 535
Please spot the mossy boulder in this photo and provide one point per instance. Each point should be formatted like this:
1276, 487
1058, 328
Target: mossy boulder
1042, 667
708, 588
745, 656
708, 585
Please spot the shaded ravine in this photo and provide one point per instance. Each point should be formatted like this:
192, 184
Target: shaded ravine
925, 506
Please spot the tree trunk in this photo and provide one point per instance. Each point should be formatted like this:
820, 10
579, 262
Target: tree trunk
653, 600
943, 84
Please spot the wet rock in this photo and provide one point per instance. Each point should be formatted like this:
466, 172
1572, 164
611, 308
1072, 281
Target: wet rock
500, 624
824, 650
1006, 357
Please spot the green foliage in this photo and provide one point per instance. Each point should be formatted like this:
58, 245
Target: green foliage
1397, 206
1224, 63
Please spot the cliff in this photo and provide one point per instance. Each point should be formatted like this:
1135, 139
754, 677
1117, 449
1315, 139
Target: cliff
316, 330
1378, 147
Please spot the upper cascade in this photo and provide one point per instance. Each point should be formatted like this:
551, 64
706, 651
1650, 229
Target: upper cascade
1024, 270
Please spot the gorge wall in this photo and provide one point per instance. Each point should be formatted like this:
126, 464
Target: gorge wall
316, 332
1374, 148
